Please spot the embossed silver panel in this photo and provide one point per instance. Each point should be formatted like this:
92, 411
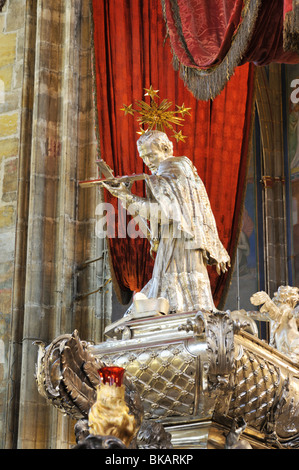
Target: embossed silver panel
164, 376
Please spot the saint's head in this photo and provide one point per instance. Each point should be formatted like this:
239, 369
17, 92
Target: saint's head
153, 148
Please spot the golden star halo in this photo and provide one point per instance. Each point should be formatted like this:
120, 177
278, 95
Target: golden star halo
158, 115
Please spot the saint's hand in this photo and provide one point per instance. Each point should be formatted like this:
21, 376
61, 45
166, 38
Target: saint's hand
118, 189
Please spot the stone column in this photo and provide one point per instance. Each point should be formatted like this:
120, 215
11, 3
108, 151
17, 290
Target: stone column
269, 105
12, 27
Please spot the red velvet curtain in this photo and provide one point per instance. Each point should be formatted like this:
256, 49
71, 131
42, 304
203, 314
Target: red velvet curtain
130, 55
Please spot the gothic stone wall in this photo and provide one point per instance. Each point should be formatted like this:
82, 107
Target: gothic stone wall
12, 23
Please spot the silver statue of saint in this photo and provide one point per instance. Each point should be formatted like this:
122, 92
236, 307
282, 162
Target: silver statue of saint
182, 228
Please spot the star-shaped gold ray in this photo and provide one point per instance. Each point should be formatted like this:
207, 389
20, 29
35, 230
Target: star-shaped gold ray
158, 116
179, 136
141, 131
151, 92
128, 109
183, 110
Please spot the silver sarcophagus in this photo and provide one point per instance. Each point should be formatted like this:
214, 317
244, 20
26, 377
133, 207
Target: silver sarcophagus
205, 377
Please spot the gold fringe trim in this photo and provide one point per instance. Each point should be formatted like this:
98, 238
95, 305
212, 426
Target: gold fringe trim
207, 84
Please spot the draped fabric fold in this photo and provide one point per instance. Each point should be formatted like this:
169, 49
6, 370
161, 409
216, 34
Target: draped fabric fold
130, 54
291, 25
210, 38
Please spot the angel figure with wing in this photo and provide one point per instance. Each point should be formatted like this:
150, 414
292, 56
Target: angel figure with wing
284, 334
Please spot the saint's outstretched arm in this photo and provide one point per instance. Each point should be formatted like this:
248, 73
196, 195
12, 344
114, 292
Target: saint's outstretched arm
140, 205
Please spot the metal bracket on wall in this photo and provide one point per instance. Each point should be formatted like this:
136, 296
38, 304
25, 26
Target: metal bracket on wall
83, 296
87, 263
81, 268
269, 181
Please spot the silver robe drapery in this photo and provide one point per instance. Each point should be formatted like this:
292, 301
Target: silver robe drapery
182, 221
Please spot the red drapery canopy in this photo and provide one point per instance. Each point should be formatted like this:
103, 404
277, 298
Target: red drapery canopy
130, 55
210, 38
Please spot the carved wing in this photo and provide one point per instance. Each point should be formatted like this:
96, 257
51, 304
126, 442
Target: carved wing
67, 375
79, 375
259, 298
268, 306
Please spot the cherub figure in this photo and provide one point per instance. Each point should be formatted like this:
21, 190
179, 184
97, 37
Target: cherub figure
233, 440
284, 334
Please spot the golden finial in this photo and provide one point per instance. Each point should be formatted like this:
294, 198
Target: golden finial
158, 115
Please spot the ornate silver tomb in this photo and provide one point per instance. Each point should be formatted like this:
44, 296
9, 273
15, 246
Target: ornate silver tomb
205, 377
